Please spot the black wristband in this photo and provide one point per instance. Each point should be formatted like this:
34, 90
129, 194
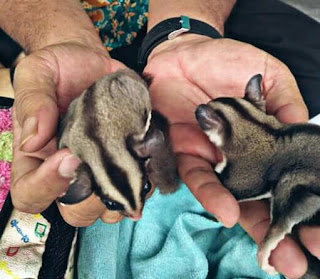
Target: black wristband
169, 29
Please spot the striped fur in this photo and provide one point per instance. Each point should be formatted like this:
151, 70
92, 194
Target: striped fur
107, 127
263, 157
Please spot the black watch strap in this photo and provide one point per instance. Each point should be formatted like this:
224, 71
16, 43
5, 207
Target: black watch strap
168, 30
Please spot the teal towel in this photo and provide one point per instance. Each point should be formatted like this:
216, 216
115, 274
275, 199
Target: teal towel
176, 238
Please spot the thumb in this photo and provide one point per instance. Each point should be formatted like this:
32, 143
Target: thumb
36, 102
283, 98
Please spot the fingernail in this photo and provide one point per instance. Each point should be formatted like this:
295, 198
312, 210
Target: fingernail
68, 165
29, 129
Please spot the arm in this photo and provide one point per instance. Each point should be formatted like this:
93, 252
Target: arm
181, 82
213, 12
65, 57
36, 24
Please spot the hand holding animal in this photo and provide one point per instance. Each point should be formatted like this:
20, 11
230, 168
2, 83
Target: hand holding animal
121, 143
263, 158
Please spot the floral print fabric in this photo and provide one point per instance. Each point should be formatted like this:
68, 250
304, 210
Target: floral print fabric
6, 139
117, 22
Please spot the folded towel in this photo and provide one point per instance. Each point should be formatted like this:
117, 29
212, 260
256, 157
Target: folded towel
176, 238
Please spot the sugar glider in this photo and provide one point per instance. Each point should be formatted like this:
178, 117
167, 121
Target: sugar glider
263, 158
121, 142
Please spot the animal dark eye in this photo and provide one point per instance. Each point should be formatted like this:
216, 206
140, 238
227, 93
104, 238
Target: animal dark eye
146, 188
112, 205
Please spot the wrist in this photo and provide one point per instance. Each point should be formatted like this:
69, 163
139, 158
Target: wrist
37, 24
181, 42
212, 12
83, 34
172, 30
82, 37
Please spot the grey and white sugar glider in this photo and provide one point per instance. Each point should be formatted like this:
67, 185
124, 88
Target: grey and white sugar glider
263, 158
121, 142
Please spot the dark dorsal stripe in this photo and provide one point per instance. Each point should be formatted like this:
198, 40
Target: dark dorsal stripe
116, 174
245, 114
277, 133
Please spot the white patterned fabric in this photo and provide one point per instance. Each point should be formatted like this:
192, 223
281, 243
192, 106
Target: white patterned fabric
22, 245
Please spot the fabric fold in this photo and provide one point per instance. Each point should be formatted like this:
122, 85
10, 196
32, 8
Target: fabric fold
176, 238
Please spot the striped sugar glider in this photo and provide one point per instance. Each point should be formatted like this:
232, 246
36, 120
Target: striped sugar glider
121, 143
263, 158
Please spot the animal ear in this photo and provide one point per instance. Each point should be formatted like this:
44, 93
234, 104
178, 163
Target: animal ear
208, 119
80, 187
161, 168
152, 142
253, 92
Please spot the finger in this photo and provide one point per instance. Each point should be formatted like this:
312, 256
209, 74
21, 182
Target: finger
255, 219
38, 178
283, 98
83, 213
310, 237
35, 103
292, 113
198, 174
36, 183
111, 217
190, 139
62, 73
287, 258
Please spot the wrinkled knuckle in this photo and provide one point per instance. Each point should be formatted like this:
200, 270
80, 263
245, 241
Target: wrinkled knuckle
26, 86
198, 170
44, 60
24, 206
20, 206
22, 203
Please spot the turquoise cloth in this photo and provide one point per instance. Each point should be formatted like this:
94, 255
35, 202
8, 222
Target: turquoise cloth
175, 238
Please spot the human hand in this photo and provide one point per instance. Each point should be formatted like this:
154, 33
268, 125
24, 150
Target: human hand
45, 83
194, 69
